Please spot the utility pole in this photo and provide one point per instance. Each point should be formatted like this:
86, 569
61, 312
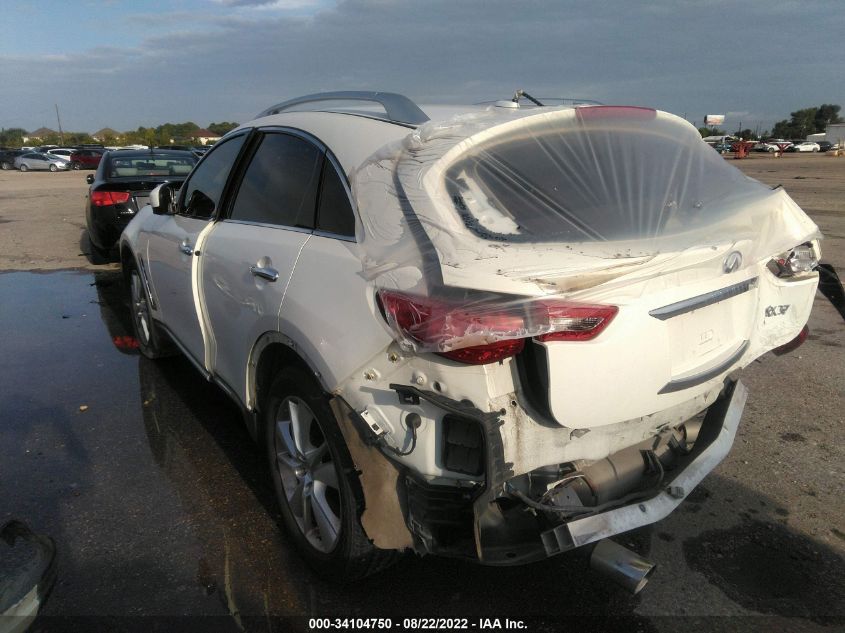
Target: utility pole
61, 134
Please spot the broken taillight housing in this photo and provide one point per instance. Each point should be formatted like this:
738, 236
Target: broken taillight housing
801, 259
485, 332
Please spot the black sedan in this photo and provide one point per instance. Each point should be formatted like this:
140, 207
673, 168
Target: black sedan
122, 185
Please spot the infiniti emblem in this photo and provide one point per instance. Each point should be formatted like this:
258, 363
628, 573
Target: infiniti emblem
732, 262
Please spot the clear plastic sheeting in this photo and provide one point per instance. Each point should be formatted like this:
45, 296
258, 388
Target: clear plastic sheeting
505, 224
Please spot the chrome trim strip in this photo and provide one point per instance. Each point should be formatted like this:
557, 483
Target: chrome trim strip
701, 301
268, 225
692, 381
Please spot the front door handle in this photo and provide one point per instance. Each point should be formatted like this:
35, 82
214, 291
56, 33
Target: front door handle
186, 247
265, 272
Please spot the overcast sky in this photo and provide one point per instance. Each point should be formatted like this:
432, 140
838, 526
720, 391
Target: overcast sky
122, 63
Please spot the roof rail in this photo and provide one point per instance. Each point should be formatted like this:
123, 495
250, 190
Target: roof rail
399, 108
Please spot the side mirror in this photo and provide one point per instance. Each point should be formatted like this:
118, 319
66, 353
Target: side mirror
89, 179
162, 199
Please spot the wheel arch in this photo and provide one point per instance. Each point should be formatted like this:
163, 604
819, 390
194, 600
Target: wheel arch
271, 352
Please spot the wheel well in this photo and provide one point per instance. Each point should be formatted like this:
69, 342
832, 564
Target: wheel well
273, 358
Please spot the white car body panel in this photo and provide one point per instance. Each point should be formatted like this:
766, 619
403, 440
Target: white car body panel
239, 306
173, 277
604, 395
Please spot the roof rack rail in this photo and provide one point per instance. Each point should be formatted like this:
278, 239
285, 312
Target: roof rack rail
399, 108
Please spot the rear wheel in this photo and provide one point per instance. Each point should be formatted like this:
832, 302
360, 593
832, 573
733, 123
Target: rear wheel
313, 478
74, 165
5, 166
23, 167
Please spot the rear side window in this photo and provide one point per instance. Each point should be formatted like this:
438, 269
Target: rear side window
334, 214
280, 184
203, 189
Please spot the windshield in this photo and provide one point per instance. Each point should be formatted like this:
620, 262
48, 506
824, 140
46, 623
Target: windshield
151, 164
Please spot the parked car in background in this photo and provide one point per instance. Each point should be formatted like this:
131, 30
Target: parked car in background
86, 158
825, 146
7, 158
805, 146
121, 186
39, 161
772, 145
472, 336
63, 152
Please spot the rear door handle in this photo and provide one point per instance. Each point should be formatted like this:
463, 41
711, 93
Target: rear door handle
186, 247
270, 274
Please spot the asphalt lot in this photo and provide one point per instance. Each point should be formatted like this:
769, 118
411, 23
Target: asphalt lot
159, 504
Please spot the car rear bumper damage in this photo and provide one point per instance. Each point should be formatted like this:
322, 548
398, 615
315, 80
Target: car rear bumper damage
504, 520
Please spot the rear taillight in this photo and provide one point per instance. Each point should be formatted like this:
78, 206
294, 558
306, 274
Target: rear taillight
104, 198
794, 344
485, 332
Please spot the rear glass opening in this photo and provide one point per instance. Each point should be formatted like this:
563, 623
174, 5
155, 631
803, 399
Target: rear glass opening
597, 181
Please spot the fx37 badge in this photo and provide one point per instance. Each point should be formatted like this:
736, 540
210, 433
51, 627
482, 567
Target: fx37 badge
776, 310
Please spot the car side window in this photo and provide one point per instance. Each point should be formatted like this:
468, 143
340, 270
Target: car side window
334, 213
280, 184
202, 191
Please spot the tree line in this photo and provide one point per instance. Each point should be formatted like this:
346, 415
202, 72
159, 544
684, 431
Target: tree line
801, 124
180, 133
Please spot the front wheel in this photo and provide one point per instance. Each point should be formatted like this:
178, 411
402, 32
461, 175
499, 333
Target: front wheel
5, 166
53, 168
149, 340
313, 477
815, 149
24, 167
74, 165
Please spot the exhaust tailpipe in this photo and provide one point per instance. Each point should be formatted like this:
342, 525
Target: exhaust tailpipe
621, 565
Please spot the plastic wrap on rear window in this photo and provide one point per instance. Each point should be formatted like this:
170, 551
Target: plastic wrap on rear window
496, 215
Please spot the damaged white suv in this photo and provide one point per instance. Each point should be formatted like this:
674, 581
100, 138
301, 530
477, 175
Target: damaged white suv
497, 333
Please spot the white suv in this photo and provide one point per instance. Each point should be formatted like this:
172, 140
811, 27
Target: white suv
499, 334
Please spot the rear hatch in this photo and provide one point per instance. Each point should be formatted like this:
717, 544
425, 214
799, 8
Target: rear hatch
600, 206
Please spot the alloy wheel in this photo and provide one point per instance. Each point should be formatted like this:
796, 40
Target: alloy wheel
140, 308
308, 473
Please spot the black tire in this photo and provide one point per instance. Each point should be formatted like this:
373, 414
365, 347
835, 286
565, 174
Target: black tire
5, 165
352, 556
74, 165
97, 255
53, 168
23, 167
150, 341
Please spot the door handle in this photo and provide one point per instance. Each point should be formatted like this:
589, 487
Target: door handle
186, 247
270, 274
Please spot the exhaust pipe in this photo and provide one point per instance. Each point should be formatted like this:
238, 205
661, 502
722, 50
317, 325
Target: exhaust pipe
621, 565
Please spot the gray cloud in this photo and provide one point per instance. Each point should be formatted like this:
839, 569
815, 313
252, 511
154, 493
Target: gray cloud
685, 57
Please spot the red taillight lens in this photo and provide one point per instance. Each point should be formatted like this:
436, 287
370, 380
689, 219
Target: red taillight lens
576, 321
480, 333
483, 354
794, 344
104, 198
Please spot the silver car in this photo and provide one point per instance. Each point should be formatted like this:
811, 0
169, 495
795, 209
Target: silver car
36, 160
